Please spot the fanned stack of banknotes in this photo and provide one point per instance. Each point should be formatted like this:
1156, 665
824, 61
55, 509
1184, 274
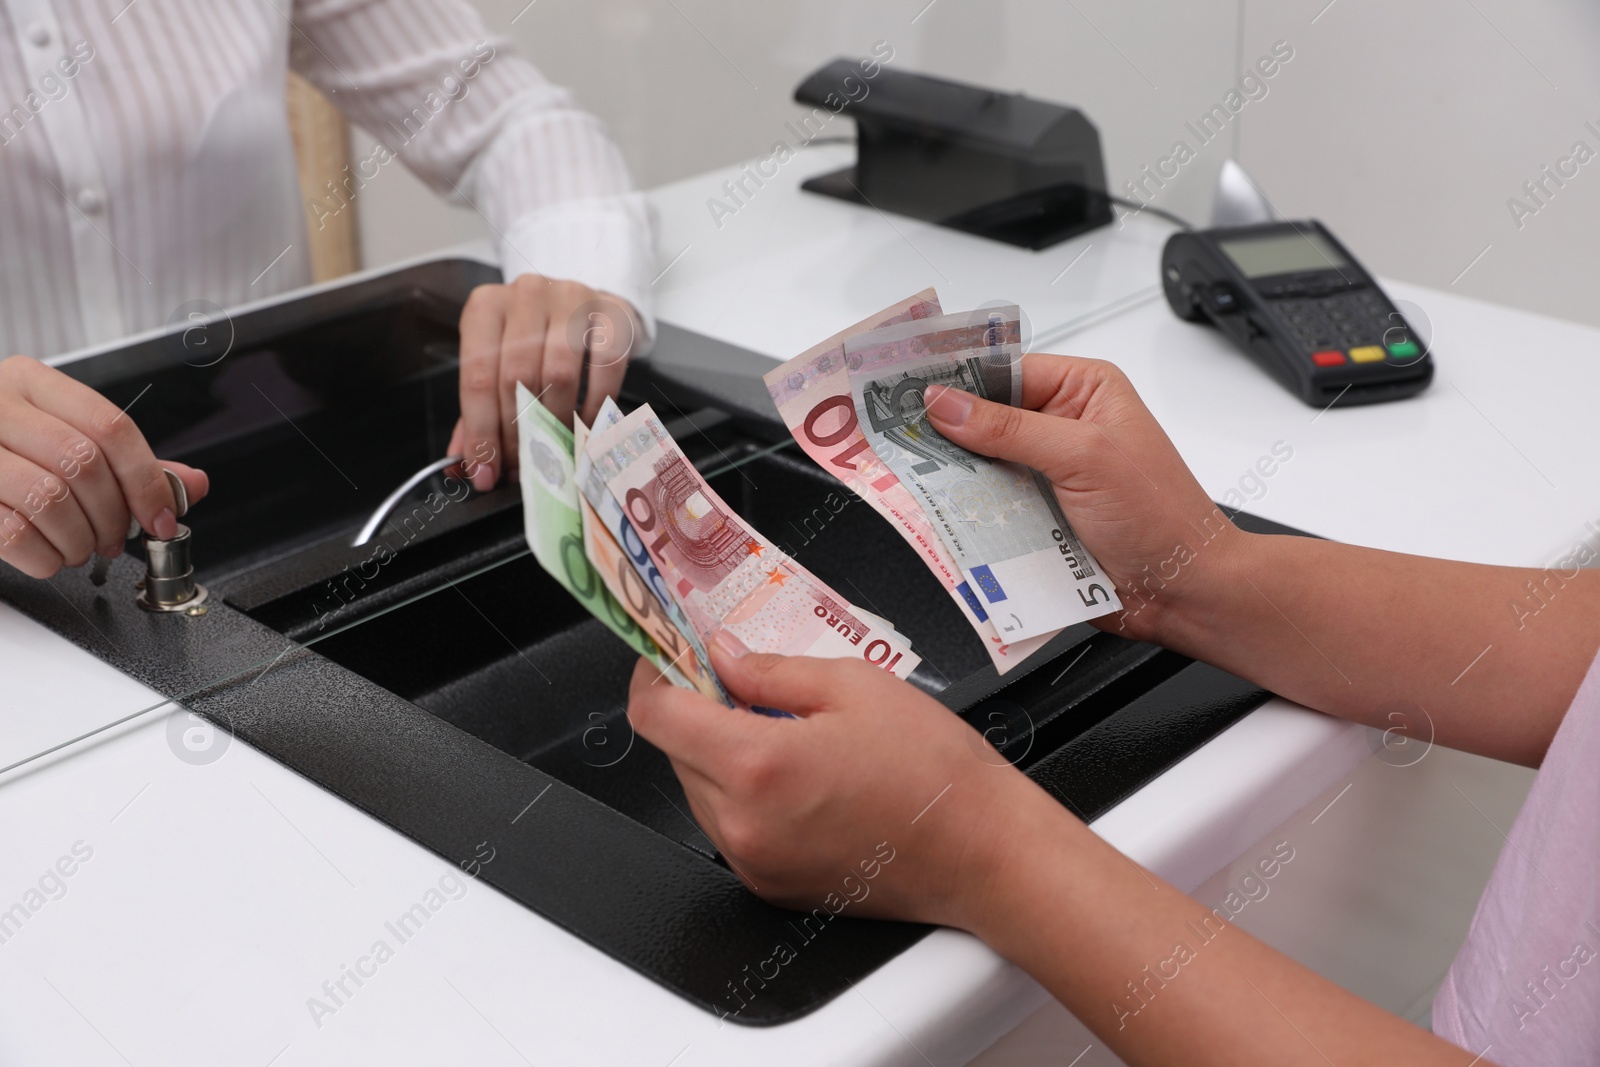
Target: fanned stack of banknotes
619, 516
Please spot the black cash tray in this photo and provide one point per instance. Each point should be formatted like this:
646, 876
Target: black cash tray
462, 697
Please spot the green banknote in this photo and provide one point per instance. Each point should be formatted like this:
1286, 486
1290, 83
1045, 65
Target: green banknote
554, 526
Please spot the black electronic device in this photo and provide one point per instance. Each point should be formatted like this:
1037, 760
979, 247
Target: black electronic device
999, 165
1301, 306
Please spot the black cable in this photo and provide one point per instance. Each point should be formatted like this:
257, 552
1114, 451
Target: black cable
1139, 206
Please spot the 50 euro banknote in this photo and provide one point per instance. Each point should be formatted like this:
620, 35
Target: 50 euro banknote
1000, 521
812, 395
720, 571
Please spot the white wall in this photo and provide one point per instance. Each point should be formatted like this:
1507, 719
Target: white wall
1406, 126
1411, 124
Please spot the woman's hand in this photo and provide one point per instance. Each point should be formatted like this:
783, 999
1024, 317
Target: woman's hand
1372, 636
879, 802
1120, 481
876, 794
543, 333
72, 470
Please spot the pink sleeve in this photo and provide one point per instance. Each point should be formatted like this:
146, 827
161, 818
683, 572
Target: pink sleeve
1525, 987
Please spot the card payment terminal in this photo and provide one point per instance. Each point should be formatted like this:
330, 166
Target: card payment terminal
1299, 304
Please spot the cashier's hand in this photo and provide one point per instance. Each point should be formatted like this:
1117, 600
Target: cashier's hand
540, 332
876, 794
72, 470
1124, 488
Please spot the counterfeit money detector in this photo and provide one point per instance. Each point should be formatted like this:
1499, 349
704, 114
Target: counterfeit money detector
439, 680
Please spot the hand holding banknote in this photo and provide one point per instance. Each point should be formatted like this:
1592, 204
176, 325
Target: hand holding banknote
1024, 568
1116, 474
792, 804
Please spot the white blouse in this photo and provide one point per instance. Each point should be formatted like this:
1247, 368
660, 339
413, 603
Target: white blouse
146, 162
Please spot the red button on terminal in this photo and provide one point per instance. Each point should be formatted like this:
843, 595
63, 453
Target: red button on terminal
1329, 358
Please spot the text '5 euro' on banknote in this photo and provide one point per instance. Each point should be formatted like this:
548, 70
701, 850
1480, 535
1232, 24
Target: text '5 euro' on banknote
812, 395
1000, 521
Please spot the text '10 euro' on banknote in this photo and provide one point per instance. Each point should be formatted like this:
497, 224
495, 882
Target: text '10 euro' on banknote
1000, 521
720, 571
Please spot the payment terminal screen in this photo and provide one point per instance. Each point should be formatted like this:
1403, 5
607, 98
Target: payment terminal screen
1283, 254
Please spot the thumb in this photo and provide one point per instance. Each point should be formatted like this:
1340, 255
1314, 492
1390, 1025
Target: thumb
799, 685
1050, 444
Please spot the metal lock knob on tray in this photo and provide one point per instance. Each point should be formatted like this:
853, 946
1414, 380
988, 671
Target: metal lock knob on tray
169, 583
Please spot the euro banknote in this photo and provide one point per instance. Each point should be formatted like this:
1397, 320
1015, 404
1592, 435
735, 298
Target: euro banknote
1000, 521
553, 526
630, 589
724, 574
812, 395
606, 508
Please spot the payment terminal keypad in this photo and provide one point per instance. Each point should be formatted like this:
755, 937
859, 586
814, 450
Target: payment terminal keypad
1359, 325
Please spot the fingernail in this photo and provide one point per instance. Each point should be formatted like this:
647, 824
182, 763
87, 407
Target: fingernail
728, 644
166, 525
483, 478
113, 552
949, 406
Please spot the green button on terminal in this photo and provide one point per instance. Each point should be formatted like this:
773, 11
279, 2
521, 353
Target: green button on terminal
1403, 350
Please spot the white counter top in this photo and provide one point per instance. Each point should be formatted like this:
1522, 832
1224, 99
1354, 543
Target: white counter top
221, 896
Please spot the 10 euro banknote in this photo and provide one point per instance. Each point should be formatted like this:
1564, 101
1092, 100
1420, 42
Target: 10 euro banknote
721, 572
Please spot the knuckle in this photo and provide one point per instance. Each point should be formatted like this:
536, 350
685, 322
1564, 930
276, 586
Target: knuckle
1108, 372
754, 772
740, 835
14, 535
50, 489
859, 673
19, 367
109, 427
530, 286
1004, 421
78, 455
561, 375
642, 712
760, 668
478, 376
484, 298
